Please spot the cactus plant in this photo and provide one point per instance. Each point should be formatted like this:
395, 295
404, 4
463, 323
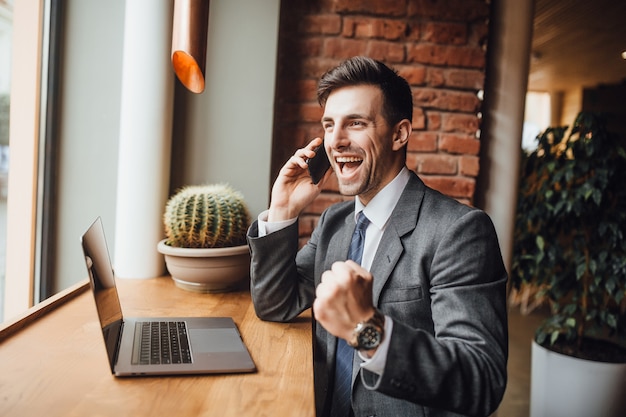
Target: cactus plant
206, 216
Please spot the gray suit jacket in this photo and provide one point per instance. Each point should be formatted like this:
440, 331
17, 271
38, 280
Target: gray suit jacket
438, 273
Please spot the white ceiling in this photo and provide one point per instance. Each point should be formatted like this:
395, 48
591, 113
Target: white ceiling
577, 43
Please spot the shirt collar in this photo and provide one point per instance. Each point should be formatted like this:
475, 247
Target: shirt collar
381, 206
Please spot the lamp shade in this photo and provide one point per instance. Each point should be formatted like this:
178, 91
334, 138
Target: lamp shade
189, 41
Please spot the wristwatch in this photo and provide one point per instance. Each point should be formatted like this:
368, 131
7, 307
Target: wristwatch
369, 334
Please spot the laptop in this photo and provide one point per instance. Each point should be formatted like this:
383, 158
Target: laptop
138, 346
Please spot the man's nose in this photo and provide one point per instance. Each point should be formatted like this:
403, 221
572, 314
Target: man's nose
337, 138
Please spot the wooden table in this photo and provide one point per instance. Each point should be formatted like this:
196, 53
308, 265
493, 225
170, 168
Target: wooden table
53, 361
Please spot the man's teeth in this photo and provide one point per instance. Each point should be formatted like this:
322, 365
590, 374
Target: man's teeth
348, 159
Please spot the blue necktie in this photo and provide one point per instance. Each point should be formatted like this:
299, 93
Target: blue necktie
341, 405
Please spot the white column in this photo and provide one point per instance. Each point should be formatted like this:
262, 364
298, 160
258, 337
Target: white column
505, 94
145, 138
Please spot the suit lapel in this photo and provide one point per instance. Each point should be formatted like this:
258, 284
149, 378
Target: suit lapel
337, 251
338, 247
402, 221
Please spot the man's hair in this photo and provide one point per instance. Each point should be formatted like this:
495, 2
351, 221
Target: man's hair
359, 70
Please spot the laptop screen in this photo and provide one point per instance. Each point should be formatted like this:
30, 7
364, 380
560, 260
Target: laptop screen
102, 282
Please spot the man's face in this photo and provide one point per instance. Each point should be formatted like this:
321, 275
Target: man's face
359, 141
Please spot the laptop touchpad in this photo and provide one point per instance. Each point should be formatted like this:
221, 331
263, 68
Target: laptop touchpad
215, 340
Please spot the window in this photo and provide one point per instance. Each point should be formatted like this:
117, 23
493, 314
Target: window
25, 97
86, 92
6, 29
536, 118
64, 130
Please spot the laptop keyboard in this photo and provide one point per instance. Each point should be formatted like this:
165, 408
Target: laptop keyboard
164, 342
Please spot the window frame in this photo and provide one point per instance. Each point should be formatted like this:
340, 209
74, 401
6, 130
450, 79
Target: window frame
24, 134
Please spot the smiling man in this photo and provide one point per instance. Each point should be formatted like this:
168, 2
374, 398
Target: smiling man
407, 285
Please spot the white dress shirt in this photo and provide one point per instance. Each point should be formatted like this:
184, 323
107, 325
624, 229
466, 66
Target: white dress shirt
378, 211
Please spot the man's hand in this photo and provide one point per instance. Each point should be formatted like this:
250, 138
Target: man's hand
344, 298
293, 190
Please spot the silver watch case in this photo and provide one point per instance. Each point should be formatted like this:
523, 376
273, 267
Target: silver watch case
369, 334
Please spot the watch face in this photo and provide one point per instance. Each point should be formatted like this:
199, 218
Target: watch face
369, 337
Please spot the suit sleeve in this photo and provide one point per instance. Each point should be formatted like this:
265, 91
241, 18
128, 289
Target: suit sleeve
280, 290
459, 364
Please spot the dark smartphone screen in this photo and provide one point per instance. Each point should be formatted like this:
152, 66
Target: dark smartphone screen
319, 164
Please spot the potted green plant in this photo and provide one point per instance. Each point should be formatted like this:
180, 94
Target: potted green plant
570, 245
205, 246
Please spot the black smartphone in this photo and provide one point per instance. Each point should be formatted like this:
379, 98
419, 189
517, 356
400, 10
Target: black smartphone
319, 164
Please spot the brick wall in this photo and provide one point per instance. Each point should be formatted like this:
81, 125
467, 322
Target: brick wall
439, 46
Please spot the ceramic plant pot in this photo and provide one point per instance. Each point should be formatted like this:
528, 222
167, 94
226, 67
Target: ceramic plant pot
565, 386
207, 270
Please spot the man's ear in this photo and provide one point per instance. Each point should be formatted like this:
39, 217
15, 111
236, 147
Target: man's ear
401, 134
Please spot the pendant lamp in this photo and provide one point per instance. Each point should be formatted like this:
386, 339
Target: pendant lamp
189, 41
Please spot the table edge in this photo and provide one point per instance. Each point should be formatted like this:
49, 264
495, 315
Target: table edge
10, 327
